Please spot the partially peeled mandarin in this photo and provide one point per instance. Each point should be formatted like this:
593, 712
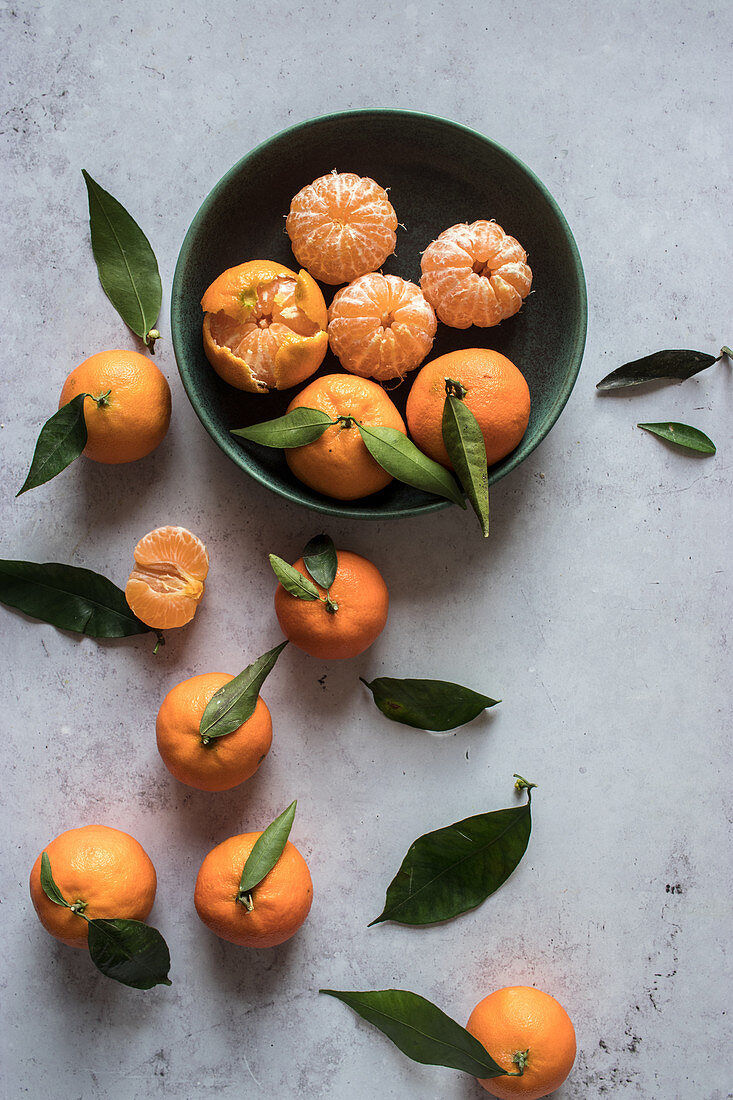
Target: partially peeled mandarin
167, 583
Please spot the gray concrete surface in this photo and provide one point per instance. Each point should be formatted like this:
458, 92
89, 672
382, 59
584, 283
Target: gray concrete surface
598, 612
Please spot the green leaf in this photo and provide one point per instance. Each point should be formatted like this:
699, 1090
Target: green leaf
421, 1030
130, 952
295, 429
267, 850
293, 580
128, 269
435, 705
683, 435
69, 598
452, 870
396, 454
679, 364
321, 561
235, 703
62, 439
466, 449
48, 885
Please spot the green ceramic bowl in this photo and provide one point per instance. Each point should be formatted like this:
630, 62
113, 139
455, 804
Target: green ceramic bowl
438, 173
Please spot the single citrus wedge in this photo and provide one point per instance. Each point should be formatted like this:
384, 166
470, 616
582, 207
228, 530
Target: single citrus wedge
381, 326
167, 583
475, 275
338, 464
264, 326
341, 226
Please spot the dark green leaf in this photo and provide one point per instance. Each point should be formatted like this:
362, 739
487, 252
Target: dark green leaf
421, 1030
683, 435
427, 704
454, 869
48, 885
69, 598
267, 850
128, 270
679, 364
235, 703
295, 429
293, 580
62, 439
130, 952
396, 454
466, 449
320, 560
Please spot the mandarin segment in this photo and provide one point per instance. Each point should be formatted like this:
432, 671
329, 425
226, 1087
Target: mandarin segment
104, 869
520, 1025
475, 275
338, 463
341, 226
224, 762
362, 601
133, 410
496, 393
381, 326
167, 583
264, 326
280, 903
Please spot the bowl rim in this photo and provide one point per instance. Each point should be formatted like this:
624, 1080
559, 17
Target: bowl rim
239, 456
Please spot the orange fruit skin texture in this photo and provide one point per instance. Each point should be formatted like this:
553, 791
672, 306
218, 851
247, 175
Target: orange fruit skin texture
381, 326
341, 226
138, 410
338, 463
104, 867
363, 605
475, 275
225, 761
520, 1018
497, 395
282, 900
264, 326
167, 583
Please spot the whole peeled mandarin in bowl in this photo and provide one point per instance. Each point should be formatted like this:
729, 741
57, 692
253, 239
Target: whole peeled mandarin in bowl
496, 392
341, 226
167, 583
348, 622
381, 326
475, 275
526, 1030
264, 326
101, 872
338, 463
275, 908
128, 405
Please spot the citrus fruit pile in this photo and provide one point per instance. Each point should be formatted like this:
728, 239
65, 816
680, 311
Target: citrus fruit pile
266, 327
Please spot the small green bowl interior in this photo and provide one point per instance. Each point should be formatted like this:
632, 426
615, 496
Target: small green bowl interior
438, 173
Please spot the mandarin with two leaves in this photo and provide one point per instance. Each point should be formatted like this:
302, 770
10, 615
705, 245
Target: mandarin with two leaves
338, 463
101, 872
352, 619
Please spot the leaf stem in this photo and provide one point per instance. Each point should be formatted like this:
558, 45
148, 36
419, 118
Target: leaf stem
346, 421
520, 1060
246, 900
150, 339
159, 643
524, 785
78, 907
455, 389
103, 399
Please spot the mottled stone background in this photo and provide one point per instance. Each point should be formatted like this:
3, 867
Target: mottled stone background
598, 611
